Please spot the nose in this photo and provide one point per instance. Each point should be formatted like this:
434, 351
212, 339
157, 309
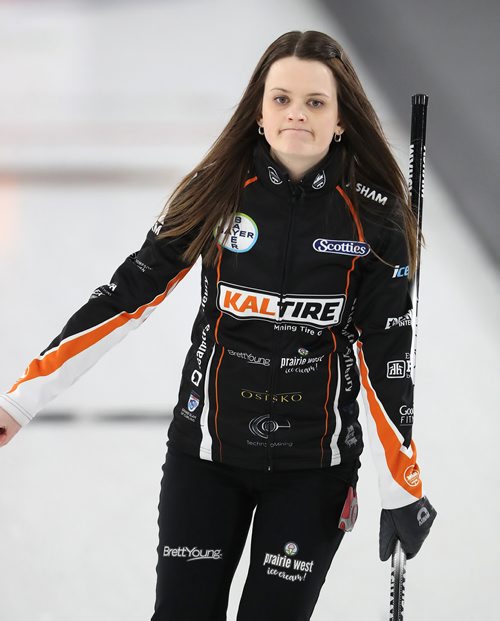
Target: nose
296, 113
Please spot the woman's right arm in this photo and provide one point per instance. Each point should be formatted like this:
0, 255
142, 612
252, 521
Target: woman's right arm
8, 427
136, 288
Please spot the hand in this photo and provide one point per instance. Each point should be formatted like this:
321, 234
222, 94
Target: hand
8, 427
410, 524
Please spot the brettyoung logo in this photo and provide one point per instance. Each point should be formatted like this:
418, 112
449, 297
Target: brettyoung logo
341, 246
192, 554
242, 233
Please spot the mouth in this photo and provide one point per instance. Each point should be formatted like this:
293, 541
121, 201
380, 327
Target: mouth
295, 129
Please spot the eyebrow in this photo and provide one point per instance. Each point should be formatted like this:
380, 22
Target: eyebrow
308, 95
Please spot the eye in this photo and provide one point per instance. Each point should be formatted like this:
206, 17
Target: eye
317, 101
280, 97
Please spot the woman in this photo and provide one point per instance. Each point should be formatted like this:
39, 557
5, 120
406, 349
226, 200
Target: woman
302, 218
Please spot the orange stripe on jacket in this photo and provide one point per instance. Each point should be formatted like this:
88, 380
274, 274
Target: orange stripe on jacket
328, 390
217, 404
403, 468
361, 235
56, 358
353, 213
249, 181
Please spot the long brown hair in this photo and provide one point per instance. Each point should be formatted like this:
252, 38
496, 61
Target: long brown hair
209, 194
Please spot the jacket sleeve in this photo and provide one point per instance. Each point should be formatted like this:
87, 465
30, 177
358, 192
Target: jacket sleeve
136, 288
383, 318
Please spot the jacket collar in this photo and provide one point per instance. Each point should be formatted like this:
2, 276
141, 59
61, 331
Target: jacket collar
319, 180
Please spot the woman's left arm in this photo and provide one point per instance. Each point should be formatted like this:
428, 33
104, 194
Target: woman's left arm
383, 318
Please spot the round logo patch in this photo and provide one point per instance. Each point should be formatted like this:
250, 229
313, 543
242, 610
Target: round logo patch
242, 233
412, 476
291, 548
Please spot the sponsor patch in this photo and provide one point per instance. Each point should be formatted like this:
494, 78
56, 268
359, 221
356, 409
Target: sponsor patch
405, 415
273, 176
192, 554
280, 397
193, 402
364, 190
412, 475
399, 322
262, 426
401, 271
316, 311
287, 566
341, 246
242, 233
319, 181
399, 369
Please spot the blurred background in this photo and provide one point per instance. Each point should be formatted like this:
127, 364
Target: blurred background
104, 107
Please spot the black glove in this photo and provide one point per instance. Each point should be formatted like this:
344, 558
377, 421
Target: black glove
410, 524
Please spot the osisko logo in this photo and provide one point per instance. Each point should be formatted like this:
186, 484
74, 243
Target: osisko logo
243, 233
273, 175
341, 246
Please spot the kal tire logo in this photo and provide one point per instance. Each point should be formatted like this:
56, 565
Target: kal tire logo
273, 176
242, 233
320, 181
262, 426
341, 246
316, 311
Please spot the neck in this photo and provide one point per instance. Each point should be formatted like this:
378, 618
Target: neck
297, 167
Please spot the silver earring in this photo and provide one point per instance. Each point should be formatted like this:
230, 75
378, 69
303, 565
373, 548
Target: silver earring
337, 137
261, 132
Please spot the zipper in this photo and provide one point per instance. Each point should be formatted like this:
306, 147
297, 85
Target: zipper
296, 192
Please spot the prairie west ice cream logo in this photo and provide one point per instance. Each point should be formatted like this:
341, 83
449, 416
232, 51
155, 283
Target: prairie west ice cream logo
273, 176
287, 566
242, 233
317, 311
319, 181
291, 548
341, 246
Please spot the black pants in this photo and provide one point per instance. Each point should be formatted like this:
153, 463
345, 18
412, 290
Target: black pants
205, 511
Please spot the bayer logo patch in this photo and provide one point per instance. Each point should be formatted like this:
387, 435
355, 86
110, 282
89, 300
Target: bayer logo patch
242, 233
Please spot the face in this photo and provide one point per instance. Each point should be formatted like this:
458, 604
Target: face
299, 110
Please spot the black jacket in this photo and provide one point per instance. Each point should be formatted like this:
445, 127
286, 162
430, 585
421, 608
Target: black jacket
298, 310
